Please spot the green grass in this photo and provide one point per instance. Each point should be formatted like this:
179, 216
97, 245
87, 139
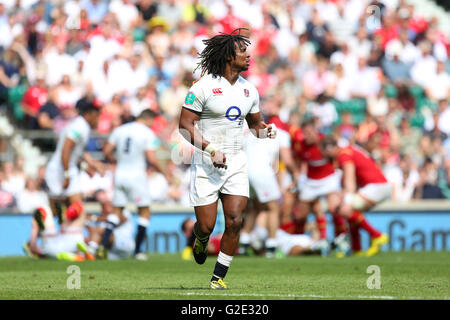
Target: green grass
405, 275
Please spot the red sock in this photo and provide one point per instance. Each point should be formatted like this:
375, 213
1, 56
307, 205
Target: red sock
74, 210
355, 237
358, 219
322, 226
340, 225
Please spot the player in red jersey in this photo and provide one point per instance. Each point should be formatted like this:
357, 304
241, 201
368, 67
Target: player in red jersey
364, 187
319, 180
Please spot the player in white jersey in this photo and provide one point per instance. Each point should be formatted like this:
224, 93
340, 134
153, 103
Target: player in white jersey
133, 144
263, 161
212, 119
61, 246
121, 241
62, 174
287, 244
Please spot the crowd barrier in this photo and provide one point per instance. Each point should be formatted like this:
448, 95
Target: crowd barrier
423, 225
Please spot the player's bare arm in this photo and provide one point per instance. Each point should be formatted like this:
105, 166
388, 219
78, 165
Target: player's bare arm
349, 177
34, 237
349, 184
108, 152
191, 134
96, 164
153, 160
288, 160
69, 144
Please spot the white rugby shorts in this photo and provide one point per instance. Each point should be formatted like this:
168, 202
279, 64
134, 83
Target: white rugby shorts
287, 241
54, 177
123, 245
131, 187
316, 188
207, 181
264, 184
376, 192
52, 246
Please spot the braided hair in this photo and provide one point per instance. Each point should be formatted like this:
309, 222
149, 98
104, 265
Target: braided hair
220, 50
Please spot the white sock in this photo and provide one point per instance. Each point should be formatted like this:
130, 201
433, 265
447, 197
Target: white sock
143, 222
271, 243
244, 238
224, 259
93, 246
113, 218
261, 232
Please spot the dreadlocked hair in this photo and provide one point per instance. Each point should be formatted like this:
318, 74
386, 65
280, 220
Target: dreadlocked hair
219, 50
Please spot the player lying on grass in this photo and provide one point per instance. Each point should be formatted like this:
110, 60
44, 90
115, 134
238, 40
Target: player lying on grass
188, 229
121, 242
364, 186
62, 246
287, 244
212, 120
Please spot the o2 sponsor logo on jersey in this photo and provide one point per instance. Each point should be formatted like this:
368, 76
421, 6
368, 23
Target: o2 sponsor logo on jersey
190, 98
233, 113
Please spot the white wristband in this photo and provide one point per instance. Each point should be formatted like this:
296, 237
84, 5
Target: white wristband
210, 149
66, 174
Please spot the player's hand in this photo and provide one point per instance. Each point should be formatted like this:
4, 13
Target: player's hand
270, 130
219, 160
217, 157
66, 183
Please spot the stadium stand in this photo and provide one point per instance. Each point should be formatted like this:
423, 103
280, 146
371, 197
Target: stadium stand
386, 75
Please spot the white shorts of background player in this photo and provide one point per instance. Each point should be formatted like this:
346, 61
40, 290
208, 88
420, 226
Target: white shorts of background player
316, 188
131, 187
123, 245
52, 245
263, 184
376, 192
287, 241
54, 177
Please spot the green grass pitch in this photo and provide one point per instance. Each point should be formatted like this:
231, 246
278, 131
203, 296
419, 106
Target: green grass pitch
403, 275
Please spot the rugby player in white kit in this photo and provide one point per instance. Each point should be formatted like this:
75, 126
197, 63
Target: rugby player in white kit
134, 144
61, 246
212, 119
263, 161
62, 174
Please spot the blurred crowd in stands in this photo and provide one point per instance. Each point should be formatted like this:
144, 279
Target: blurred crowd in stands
376, 77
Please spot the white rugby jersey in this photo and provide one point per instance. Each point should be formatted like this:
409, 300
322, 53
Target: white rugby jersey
262, 153
78, 131
132, 140
223, 109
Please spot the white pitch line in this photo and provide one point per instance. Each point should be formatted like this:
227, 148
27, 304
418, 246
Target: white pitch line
291, 295
288, 295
